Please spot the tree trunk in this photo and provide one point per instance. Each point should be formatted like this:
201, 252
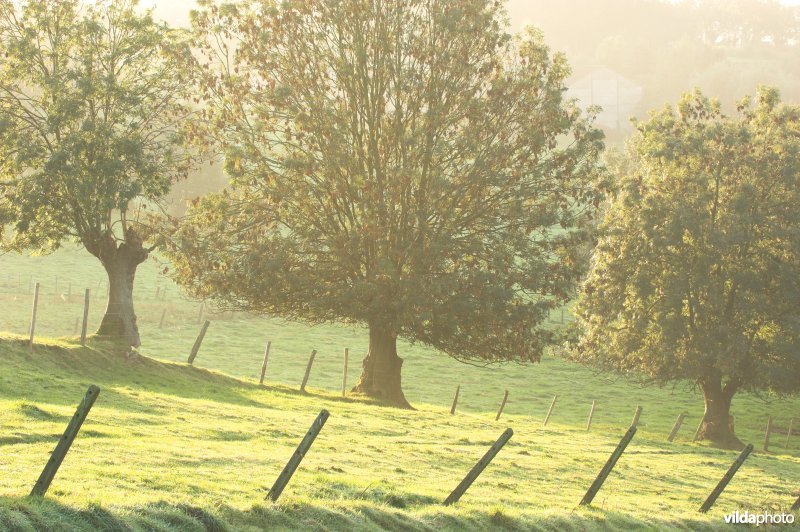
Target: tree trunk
380, 377
120, 263
718, 426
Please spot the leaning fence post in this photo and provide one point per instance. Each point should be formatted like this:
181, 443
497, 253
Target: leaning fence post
796, 505
550, 410
636, 416
291, 466
308, 370
478, 468
676, 427
344, 371
163, 317
699, 428
63, 445
33, 314
712, 498
502, 405
766, 436
264, 365
789, 432
591, 415
198, 342
455, 401
612, 461
86, 298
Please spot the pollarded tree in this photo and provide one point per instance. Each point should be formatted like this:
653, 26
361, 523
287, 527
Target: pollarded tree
402, 164
697, 274
90, 104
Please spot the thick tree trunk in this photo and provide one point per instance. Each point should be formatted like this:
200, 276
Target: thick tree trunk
718, 426
380, 377
120, 263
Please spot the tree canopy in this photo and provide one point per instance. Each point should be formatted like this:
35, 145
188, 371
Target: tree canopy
91, 101
697, 272
405, 165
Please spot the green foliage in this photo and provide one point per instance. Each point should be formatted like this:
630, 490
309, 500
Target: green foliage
407, 165
697, 274
90, 103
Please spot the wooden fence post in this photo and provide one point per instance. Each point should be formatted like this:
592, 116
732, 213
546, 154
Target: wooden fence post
87, 296
612, 461
712, 498
550, 410
163, 318
591, 415
789, 432
344, 371
308, 370
478, 468
676, 427
291, 466
63, 445
699, 428
636, 416
766, 435
455, 401
264, 365
200, 313
502, 406
69, 293
796, 505
33, 314
198, 342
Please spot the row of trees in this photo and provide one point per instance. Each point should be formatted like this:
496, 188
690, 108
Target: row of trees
408, 166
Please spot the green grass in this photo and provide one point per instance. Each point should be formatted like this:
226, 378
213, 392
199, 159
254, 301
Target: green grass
169, 446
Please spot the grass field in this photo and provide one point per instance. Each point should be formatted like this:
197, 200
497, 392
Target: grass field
168, 446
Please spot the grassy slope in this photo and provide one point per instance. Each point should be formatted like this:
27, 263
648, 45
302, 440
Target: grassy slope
171, 444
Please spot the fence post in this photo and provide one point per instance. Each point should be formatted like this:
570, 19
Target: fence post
789, 432
550, 410
344, 371
87, 296
63, 445
264, 365
308, 370
676, 427
612, 461
699, 428
163, 317
198, 342
766, 436
455, 401
712, 498
478, 468
200, 313
33, 314
796, 505
636, 416
591, 415
291, 466
502, 406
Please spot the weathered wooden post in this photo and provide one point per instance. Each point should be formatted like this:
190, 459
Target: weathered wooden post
612, 461
200, 313
344, 371
766, 436
796, 505
502, 405
264, 364
455, 401
33, 314
198, 342
712, 498
478, 468
636, 416
789, 432
87, 296
676, 427
699, 428
591, 415
63, 445
291, 466
550, 410
308, 370
163, 318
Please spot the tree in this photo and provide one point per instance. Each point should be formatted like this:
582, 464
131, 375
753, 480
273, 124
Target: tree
91, 101
697, 272
404, 165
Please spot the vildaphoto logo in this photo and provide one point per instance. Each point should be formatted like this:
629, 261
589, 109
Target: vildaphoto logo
747, 518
